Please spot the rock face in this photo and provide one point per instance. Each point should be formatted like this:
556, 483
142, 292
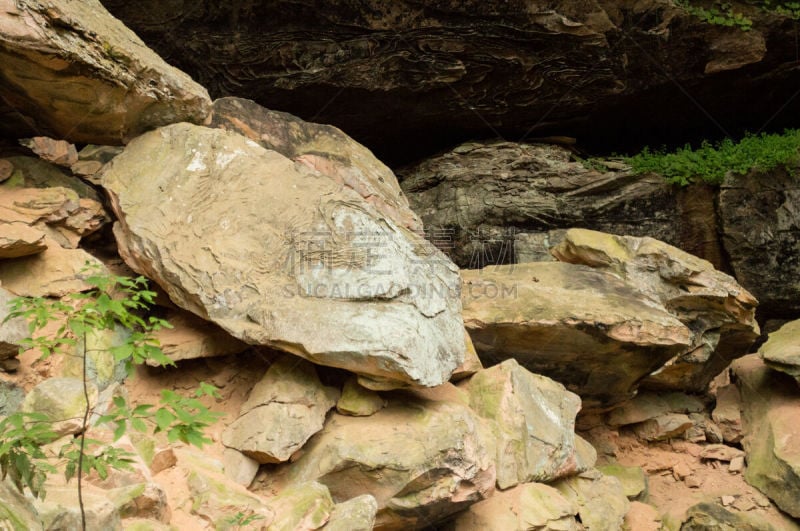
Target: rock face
782, 350
73, 71
12, 332
283, 411
497, 202
191, 338
387, 73
587, 329
718, 311
278, 254
771, 405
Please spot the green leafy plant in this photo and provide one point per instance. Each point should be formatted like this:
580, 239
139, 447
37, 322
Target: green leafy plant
719, 13
111, 301
710, 163
241, 519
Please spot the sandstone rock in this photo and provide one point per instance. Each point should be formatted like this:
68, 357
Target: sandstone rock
163, 458
12, 332
771, 405
782, 350
642, 517
191, 337
102, 368
648, 405
587, 329
298, 261
585, 454
239, 467
11, 397
285, 408
526, 506
306, 506
500, 202
720, 452
75, 72
662, 427
632, 478
355, 514
60, 509
760, 224
720, 313
32, 172
16, 510
736, 465
600, 499
472, 362
323, 148
145, 500
727, 413
61, 400
358, 401
713, 517
91, 160
6, 169
58, 152
51, 273
422, 459
18, 239
533, 423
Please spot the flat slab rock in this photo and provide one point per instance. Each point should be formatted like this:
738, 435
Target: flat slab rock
782, 350
278, 254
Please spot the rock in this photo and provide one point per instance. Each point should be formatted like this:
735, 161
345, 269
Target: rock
75, 72
6, 169
632, 478
17, 511
693, 482
760, 224
306, 506
12, 332
145, 500
782, 350
239, 467
501, 202
681, 471
719, 312
358, 401
60, 509
526, 506
335, 282
91, 160
355, 514
705, 429
163, 458
662, 427
284, 409
571, 323
720, 452
32, 172
713, 517
11, 397
771, 405
472, 363
585, 454
51, 273
600, 499
406, 79
648, 405
642, 517
18, 239
102, 368
727, 413
533, 423
61, 400
422, 459
191, 337
58, 152
323, 148
736, 465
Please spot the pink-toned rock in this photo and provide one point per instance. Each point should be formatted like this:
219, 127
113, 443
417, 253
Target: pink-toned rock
191, 337
58, 152
642, 517
19, 239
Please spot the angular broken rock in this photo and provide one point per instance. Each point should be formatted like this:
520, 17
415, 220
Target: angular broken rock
19, 239
358, 401
600, 499
533, 419
278, 254
720, 452
190, 337
284, 409
75, 72
719, 312
584, 328
12, 332
58, 152
782, 350
355, 514
728, 414
662, 427
648, 405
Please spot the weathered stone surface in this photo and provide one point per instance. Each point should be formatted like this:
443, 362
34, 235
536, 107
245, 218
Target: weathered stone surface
355, 514
32, 172
500, 202
12, 331
18, 239
663, 427
239, 467
587, 329
52, 273
323, 148
143, 500
760, 223
17, 511
533, 423
406, 76
72, 71
600, 499
632, 478
525, 507
771, 405
91, 160
720, 452
11, 397
191, 337
358, 401
728, 414
472, 362
642, 517
60, 509
61, 400
714, 517
782, 350
102, 369
718, 311
285, 408
58, 152
421, 458
306, 506
648, 405
278, 254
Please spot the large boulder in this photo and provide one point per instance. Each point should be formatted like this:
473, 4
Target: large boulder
12, 332
190, 337
719, 312
422, 457
279, 254
584, 328
73, 71
771, 406
782, 350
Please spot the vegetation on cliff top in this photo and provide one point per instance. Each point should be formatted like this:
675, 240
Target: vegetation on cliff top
710, 163
722, 13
